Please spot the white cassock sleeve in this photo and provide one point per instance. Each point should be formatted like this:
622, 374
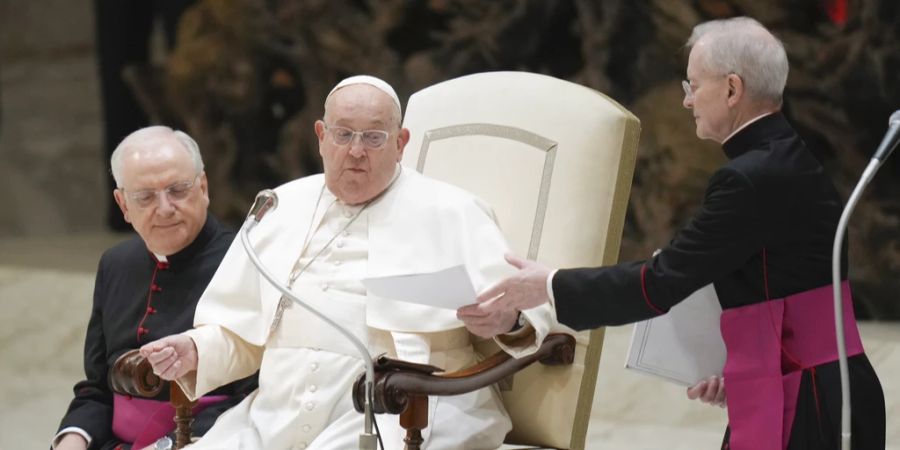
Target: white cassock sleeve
541, 321
222, 356
237, 308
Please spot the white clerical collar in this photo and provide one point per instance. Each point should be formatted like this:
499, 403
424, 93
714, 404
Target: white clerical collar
747, 123
161, 258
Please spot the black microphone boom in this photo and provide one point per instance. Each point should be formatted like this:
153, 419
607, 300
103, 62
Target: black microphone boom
889, 143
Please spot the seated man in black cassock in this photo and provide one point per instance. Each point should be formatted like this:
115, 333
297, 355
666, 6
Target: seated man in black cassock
146, 288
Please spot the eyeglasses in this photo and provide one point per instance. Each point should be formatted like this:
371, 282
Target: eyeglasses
688, 89
174, 192
373, 139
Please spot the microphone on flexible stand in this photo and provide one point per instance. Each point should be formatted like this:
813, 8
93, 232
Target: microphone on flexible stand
267, 200
888, 144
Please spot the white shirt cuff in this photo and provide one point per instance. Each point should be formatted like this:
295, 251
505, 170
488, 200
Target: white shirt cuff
550, 289
66, 430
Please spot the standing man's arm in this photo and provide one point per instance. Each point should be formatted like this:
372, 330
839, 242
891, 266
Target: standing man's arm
720, 238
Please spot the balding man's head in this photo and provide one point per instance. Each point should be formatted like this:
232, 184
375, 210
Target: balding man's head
360, 139
377, 83
162, 189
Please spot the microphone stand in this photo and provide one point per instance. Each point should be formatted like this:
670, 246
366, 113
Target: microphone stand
881, 155
867, 176
367, 439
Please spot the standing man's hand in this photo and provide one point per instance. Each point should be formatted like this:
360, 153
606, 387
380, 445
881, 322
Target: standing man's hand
710, 390
525, 289
172, 356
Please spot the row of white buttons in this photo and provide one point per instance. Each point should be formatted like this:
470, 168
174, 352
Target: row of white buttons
309, 405
314, 367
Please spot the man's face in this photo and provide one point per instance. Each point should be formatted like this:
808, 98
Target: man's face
708, 98
162, 195
356, 172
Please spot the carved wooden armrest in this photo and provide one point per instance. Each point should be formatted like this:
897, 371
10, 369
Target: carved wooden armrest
132, 375
396, 380
403, 388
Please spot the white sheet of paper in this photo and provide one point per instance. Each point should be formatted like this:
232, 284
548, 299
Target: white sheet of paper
683, 346
449, 288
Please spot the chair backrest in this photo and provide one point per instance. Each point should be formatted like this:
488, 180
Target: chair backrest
555, 160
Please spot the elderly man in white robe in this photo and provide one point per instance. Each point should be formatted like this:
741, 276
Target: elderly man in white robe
365, 217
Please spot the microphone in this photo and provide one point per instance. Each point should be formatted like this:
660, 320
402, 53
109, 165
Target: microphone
265, 201
889, 143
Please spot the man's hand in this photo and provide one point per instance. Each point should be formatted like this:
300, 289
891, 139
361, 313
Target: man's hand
172, 356
72, 441
487, 324
710, 390
526, 289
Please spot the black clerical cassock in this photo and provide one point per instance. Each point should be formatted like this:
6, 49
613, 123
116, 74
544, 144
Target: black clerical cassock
763, 237
139, 299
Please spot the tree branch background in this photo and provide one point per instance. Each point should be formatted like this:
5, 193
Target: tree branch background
247, 79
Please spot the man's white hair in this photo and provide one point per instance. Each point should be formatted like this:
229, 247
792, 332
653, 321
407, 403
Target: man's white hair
152, 133
745, 47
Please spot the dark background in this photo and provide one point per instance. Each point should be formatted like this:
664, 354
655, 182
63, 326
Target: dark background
247, 78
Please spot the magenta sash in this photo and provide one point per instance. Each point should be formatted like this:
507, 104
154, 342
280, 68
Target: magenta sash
142, 421
769, 345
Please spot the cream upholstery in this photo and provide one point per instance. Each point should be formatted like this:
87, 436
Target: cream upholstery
555, 160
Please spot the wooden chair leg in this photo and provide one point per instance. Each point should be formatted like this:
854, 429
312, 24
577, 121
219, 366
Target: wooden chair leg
183, 415
414, 419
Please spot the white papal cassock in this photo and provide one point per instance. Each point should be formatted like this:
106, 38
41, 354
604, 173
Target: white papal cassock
307, 368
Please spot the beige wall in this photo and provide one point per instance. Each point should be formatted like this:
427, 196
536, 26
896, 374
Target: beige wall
51, 163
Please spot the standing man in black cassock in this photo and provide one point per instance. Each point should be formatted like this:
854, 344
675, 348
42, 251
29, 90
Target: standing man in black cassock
763, 237
146, 288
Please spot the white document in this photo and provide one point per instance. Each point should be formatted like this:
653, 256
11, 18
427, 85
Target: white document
683, 346
449, 288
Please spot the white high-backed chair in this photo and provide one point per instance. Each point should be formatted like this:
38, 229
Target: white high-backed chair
555, 160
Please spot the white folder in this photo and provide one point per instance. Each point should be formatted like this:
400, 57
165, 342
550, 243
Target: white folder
683, 346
